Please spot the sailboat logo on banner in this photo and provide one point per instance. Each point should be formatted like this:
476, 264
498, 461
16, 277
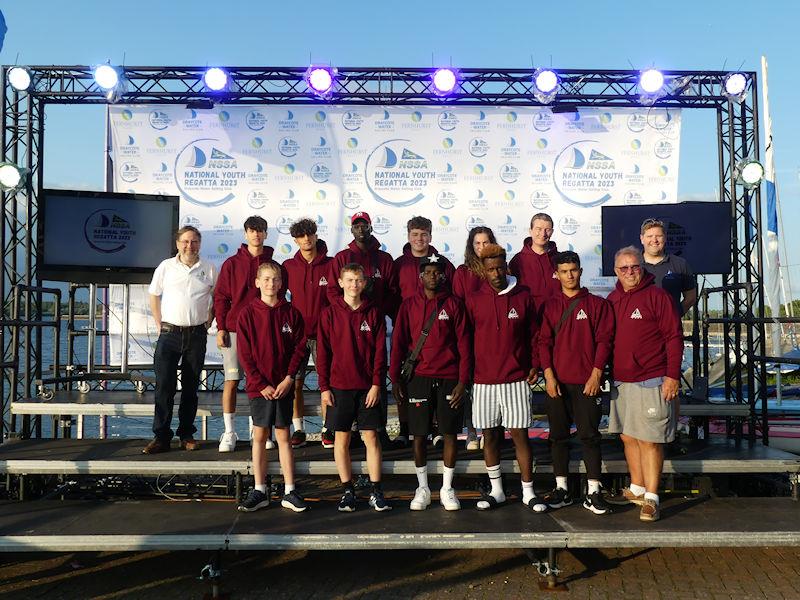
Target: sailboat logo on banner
396, 174
585, 176
206, 175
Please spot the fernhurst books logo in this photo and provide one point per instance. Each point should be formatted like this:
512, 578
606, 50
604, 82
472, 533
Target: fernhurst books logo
396, 174
107, 232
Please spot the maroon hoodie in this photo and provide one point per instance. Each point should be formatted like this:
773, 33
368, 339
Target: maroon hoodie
308, 283
379, 270
447, 352
504, 330
271, 344
351, 346
465, 282
406, 268
536, 271
648, 341
583, 341
236, 286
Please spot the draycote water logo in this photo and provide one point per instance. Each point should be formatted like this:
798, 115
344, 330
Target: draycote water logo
352, 121
206, 175
107, 232
159, 120
584, 176
396, 175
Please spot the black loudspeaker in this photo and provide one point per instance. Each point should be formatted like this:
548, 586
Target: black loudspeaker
699, 232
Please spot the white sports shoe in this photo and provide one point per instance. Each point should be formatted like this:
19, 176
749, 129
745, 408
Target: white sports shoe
422, 499
270, 445
473, 444
227, 441
449, 500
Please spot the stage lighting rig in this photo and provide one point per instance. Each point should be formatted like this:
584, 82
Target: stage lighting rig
217, 80
321, 80
444, 81
12, 177
735, 86
545, 85
749, 173
111, 80
651, 86
20, 78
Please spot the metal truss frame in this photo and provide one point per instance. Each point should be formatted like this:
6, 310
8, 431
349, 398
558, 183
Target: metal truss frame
22, 141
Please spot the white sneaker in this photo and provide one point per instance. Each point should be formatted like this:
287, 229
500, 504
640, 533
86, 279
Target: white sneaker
473, 444
422, 499
227, 441
448, 498
270, 445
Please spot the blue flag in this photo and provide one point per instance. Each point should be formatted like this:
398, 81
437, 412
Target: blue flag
3, 30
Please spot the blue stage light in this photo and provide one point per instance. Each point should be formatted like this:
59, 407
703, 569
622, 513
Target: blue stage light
320, 80
19, 78
735, 85
12, 177
444, 81
651, 81
106, 77
545, 80
215, 79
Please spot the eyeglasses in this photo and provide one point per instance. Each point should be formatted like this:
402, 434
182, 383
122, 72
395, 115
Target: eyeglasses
629, 268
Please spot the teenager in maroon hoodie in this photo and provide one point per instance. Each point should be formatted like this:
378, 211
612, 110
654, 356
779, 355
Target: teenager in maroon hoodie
467, 280
234, 291
442, 370
406, 267
351, 355
504, 330
574, 347
307, 281
272, 344
534, 265
648, 348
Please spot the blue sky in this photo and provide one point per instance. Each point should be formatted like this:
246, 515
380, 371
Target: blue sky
681, 34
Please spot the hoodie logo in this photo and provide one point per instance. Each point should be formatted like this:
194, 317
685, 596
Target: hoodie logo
581, 315
512, 314
377, 274
286, 328
443, 316
636, 314
365, 326
323, 281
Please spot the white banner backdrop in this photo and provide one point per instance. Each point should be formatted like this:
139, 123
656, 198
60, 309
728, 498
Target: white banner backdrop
458, 166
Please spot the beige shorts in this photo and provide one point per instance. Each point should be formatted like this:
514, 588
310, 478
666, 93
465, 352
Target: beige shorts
641, 413
230, 360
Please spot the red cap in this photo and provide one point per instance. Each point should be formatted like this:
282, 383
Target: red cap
360, 215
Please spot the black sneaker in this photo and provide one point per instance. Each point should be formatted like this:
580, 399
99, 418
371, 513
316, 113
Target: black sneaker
348, 502
557, 498
254, 501
597, 504
327, 439
378, 502
294, 501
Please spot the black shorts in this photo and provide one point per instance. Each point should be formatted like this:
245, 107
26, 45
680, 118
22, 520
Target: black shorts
272, 413
349, 406
428, 397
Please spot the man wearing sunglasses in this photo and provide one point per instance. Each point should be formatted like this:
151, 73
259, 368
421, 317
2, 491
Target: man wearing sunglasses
648, 348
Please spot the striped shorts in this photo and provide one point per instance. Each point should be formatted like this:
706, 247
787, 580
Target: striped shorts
502, 404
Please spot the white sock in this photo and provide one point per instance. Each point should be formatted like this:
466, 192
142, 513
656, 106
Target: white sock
561, 482
527, 492
637, 490
496, 480
288, 487
298, 424
422, 476
447, 477
229, 419
651, 496
262, 488
594, 486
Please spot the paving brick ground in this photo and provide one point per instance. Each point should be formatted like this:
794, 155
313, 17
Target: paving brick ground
668, 573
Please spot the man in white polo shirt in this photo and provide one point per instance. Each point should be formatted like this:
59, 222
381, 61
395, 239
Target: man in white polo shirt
180, 300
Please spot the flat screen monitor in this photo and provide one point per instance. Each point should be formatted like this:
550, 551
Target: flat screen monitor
700, 232
104, 237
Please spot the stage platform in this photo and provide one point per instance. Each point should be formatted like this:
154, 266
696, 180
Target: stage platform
124, 457
62, 526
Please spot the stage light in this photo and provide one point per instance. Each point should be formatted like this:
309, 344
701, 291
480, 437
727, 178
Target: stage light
651, 81
444, 81
749, 173
107, 77
12, 177
320, 80
215, 79
735, 85
545, 85
19, 78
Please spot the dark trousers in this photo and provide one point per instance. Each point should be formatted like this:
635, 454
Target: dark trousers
574, 407
188, 347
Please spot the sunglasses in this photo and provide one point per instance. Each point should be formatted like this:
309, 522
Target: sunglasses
629, 269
